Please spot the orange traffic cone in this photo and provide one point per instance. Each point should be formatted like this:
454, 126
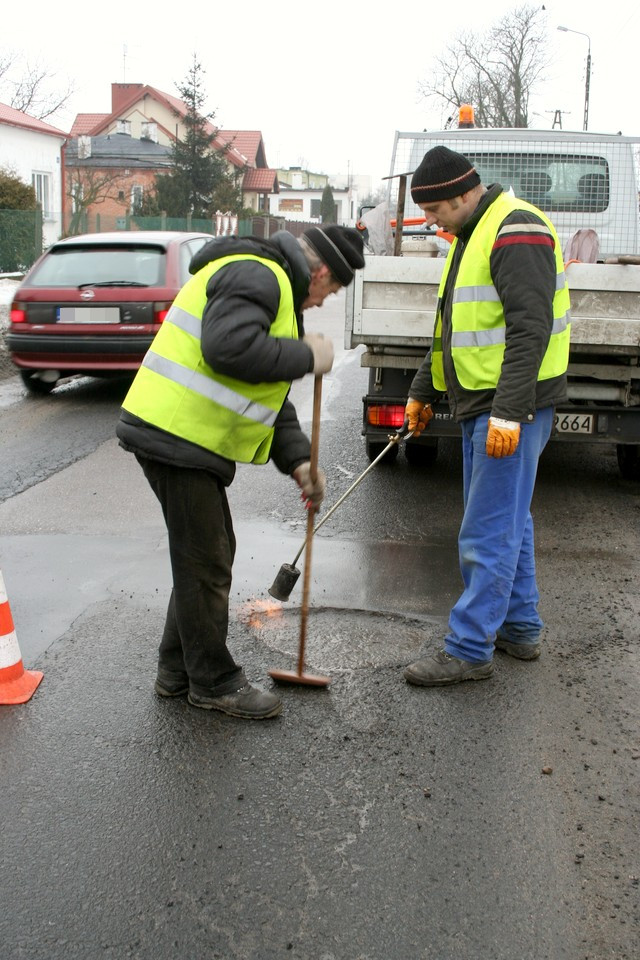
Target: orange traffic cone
17, 685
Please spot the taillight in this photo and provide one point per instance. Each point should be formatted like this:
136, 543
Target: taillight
386, 415
160, 311
18, 314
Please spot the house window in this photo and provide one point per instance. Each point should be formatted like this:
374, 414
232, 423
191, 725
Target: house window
290, 204
136, 197
42, 186
316, 208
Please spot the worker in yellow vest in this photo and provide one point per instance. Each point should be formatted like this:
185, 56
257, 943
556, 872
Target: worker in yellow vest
213, 390
500, 352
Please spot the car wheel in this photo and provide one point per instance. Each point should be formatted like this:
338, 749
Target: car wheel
628, 460
421, 454
374, 449
35, 383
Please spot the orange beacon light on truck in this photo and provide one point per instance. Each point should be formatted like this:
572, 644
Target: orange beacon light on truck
466, 116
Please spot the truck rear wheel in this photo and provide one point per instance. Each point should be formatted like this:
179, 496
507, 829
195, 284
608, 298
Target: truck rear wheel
374, 449
629, 460
421, 454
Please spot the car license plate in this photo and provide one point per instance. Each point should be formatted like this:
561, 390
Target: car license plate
88, 314
574, 423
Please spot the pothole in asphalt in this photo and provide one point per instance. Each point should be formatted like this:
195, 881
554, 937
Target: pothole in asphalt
339, 639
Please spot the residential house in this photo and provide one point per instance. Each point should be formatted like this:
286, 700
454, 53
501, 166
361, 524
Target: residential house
143, 113
105, 176
33, 151
300, 197
259, 182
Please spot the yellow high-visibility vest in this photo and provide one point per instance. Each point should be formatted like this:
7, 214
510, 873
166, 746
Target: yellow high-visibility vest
478, 327
176, 390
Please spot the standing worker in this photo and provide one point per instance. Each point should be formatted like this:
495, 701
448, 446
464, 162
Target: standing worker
212, 390
500, 351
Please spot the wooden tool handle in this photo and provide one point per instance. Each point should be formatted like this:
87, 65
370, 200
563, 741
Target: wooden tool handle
313, 463
315, 427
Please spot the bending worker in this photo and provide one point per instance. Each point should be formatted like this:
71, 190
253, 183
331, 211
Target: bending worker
500, 352
212, 390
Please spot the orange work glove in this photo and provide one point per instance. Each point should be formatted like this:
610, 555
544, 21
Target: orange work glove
502, 437
417, 415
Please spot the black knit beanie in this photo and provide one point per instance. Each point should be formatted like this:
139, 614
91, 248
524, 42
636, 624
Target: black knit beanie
340, 248
442, 174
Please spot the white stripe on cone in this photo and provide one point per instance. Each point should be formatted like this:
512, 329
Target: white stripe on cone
9, 650
17, 685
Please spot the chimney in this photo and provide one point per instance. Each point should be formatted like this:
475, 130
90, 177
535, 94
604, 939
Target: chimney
84, 147
149, 131
121, 92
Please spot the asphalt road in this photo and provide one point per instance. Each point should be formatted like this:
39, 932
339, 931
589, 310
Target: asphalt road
372, 821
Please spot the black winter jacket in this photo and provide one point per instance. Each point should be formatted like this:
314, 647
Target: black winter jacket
243, 300
524, 275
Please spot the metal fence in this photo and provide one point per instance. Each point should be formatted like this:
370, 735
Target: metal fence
20, 239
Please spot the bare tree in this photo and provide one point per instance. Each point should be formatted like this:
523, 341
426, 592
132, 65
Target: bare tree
86, 187
31, 89
495, 72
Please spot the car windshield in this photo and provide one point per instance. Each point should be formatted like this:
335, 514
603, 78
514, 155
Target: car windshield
75, 266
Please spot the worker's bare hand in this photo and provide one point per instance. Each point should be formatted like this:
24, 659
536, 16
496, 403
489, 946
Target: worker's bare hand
502, 437
417, 415
322, 349
312, 491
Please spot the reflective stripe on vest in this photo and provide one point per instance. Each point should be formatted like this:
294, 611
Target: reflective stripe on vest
177, 391
478, 322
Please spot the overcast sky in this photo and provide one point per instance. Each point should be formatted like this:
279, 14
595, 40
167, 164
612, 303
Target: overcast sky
327, 83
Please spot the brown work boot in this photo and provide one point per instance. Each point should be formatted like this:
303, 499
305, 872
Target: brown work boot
247, 702
441, 668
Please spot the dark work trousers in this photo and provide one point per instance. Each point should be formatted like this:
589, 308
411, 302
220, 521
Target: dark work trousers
202, 546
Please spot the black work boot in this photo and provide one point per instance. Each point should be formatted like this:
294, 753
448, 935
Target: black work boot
522, 651
441, 668
247, 702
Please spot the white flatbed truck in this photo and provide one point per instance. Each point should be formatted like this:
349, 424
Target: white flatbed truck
391, 304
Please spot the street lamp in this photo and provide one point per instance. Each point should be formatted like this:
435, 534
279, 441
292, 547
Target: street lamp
588, 77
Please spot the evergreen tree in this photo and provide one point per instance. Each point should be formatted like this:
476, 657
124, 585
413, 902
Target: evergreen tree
327, 206
198, 176
14, 193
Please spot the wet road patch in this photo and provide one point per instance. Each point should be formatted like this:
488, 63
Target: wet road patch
337, 639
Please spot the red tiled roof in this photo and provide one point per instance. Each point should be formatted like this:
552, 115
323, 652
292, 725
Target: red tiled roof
16, 118
233, 155
246, 142
261, 180
84, 123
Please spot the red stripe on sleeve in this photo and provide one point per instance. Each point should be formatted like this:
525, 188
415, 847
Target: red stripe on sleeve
525, 239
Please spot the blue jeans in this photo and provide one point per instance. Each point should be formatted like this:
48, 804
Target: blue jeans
496, 542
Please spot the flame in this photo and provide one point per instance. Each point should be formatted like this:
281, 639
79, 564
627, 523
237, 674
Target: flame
256, 613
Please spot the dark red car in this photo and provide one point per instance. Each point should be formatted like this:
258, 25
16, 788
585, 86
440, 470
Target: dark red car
92, 304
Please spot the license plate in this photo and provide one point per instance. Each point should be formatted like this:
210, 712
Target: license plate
88, 314
574, 423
